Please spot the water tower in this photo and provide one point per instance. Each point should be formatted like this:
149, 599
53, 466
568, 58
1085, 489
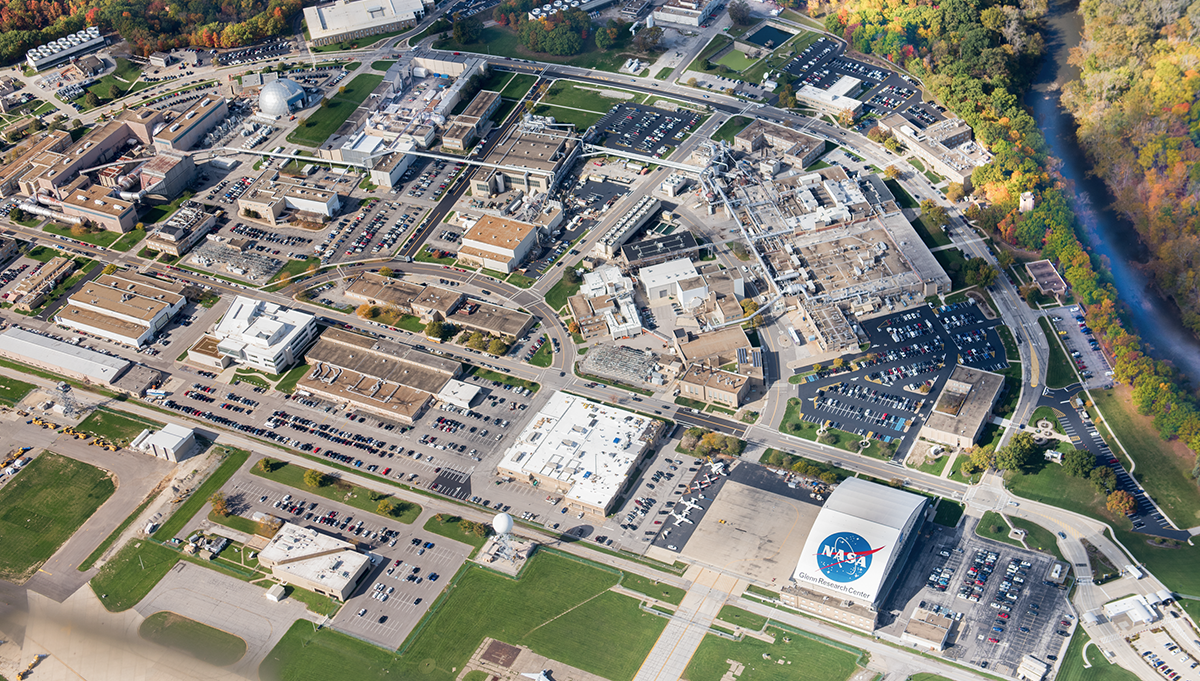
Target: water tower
503, 525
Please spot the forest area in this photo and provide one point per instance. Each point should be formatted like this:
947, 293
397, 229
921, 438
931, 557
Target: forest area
1135, 104
147, 25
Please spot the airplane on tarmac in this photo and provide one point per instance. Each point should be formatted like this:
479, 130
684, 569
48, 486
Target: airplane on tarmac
717, 466
681, 518
690, 504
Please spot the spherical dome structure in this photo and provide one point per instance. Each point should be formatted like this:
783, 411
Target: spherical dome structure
280, 97
502, 523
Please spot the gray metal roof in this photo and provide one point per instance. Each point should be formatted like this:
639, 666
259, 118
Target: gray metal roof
97, 366
879, 504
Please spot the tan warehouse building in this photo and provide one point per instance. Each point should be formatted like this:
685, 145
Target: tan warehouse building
315, 561
963, 408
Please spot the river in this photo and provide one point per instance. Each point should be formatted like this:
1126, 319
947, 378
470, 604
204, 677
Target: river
1155, 317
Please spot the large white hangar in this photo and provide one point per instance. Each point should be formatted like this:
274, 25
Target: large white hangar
861, 538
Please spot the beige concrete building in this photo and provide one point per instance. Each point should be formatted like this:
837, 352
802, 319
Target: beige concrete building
386, 378
315, 561
548, 156
272, 194
963, 408
32, 291
713, 385
181, 231
127, 311
798, 150
192, 125
498, 243
927, 629
946, 147
8, 249
468, 125
843, 611
433, 303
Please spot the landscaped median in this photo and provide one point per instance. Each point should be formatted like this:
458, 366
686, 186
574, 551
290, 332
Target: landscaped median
328, 487
794, 424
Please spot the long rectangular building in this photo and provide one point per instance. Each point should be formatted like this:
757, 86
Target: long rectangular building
127, 311
62, 358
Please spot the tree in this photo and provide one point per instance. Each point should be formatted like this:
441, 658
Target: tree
109, 269
839, 363
573, 326
978, 272
605, 39
324, 102
367, 311
934, 215
314, 478
17, 215
818, 368
91, 99
955, 192
466, 30
477, 341
787, 97
1121, 502
220, 505
739, 12
846, 118
749, 307
893, 173
267, 464
571, 277
498, 347
648, 39
435, 329
386, 272
1103, 479
691, 81
1078, 463
1017, 453
892, 145
386, 508
114, 91
1005, 258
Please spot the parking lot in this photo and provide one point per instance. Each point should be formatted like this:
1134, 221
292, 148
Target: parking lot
260, 52
1002, 598
428, 179
647, 130
1082, 346
1171, 659
370, 231
402, 550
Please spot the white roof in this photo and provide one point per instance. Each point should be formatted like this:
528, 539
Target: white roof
342, 16
95, 365
312, 555
604, 280
856, 538
1135, 607
261, 324
458, 393
669, 272
590, 445
172, 436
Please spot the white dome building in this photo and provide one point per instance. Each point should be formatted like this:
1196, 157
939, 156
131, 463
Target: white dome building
280, 97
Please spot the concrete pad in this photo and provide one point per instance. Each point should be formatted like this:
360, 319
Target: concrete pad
753, 533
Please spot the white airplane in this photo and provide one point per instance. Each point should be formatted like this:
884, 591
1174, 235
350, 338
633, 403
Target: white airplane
543, 676
690, 504
681, 518
717, 466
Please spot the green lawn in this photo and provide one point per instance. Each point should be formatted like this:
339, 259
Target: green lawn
802, 657
42, 507
117, 427
948, 512
294, 267
102, 238
663, 73
663, 592
341, 491
718, 43
952, 261
1010, 343
123, 77
487, 375
1072, 669
932, 236
383, 64
132, 573
1165, 473
520, 280
501, 41
315, 602
736, 61
234, 459
199, 640
582, 120
324, 121
448, 527
993, 526
518, 86
557, 296
426, 255
1059, 372
288, 383
730, 128
793, 424
1047, 414
560, 608
742, 618
13, 391
544, 357
43, 253
1037, 537
127, 242
902, 197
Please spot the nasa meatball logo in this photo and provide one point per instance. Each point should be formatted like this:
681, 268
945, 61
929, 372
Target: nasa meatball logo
845, 557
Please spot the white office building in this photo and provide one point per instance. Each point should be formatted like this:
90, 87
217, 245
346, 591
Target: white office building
677, 278
264, 335
352, 19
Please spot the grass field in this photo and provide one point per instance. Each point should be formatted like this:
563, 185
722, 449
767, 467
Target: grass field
742, 618
1046, 413
718, 43
1072, 668
948, 512
449, 528
42, 507
544, 357
559, 607
117, 427
506, 379
123, 77
793, 424
902, 197
287, 384
1165, 472
993, 526
100, 238
932, 236
503, 42
557, 296
802, 658
663, 592
129, 240
383, 64
293, 267
324, 121
344, 492
1010, 343
199, 640
1059, 372
1037, 537
518, 86
736, 61
13, 391
730, 128
234, 459
132, 573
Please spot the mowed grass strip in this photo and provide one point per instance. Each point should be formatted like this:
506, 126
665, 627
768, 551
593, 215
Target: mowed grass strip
42, 506
341, 491
325, 120
1072, 668
199, 640
802, 658
13, 391
132, 573
654, 589
234, 458
117, 427
559, 607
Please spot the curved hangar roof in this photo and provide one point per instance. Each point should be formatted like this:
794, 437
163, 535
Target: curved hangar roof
856, 538
279, 97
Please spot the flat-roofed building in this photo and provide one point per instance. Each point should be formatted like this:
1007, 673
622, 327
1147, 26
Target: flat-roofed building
715, 348
272, 194
61, 358
313, 560
685, 12
843, 611
798, 149
32, 291
670, 279
476, 315
380, 376
468, 125
1032, 669
264, 335
1047, 278
352, 19
66, 48
928, 629
660, 249
498, 243
626, 226
946, 147
963, 408
581, 449
172, 442
605, 305
374, 289
169, 173
8, 249
459, 136
542, 157
708, 384
119, 309
192, 125
181, 231
827, 102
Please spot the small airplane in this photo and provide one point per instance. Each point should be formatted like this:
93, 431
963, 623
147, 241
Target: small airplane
681, 518
717, 466
543, 676
689, 503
